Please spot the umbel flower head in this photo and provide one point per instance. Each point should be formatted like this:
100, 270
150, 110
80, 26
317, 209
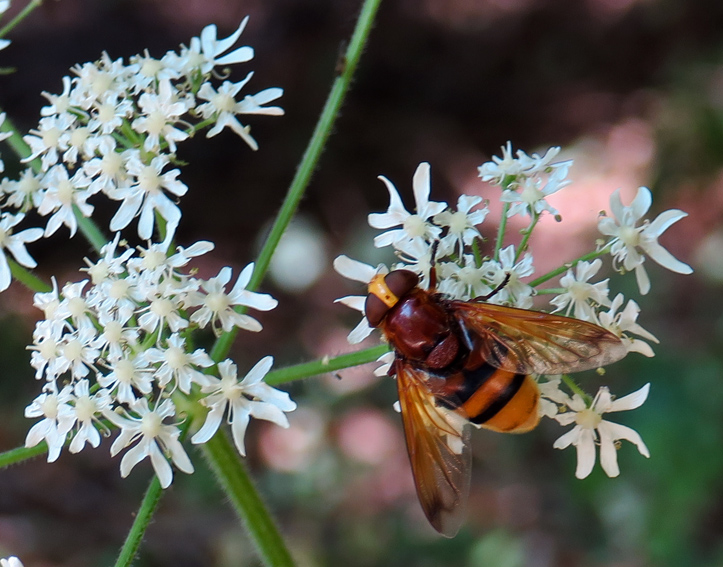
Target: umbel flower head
113, 132
115, 351
469, 268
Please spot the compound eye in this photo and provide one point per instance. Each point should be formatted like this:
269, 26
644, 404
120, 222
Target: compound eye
375, 310
400, 282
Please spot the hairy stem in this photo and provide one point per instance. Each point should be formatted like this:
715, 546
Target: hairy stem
309, 160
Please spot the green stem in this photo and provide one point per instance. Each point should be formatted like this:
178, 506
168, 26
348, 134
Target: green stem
477, 254
27, 278
308, 161
501, 231
576, 389
562, 269
15, 456
90, 230
143, 518
315, 367
526, 237
233, 477
24, 13
550, 291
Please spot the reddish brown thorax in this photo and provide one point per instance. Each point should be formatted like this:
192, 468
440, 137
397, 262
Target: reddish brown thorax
413, 320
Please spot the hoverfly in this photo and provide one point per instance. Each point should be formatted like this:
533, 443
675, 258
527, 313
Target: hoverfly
470, 361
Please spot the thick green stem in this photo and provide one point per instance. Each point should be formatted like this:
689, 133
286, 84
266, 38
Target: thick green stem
234, 479
27, 278
90, 230
315, 367
140, 524
309, 160
14, 456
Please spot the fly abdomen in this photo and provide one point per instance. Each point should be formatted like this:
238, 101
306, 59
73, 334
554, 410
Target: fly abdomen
501, 401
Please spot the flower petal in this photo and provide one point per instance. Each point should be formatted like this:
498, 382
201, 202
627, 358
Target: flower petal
665, 258
631, 401
585, 453
617, 431
354, 270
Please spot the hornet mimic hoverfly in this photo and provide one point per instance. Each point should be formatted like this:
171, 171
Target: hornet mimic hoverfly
470, 361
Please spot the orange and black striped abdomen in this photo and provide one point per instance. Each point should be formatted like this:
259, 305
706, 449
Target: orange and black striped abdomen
495, 399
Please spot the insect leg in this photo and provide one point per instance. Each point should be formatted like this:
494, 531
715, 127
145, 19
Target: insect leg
495, 291
433, 268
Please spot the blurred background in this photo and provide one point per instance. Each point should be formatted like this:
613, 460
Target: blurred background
632, 89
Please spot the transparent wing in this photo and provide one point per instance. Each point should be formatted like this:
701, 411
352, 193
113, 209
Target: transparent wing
437, 442
532, 342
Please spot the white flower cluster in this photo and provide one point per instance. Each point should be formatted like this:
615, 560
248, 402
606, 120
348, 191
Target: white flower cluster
115, 350
114, 131
450, 239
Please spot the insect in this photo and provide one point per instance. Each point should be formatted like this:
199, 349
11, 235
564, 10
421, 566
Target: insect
470, 361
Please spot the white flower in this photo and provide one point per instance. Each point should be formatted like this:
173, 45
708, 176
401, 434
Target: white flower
250, 397
626, 322
163, 309
87, 408
10, 561
630, 243
461, 224
581, 295
223, 107
25, 192
218, 307
146, 194
414, 226
15, 243
552, 398
509, 168
212, 49
73, 305
128, 374
591, 429
58, 419
515, 292
530, 200
44, 141
46, 348
77, 353
160, 112
154, 439
177, 364
416, 256
63, 193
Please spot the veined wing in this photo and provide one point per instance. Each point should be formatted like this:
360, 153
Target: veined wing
437, 442
532, 342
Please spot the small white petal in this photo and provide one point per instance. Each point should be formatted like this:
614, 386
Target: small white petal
354, 270
585, 453
617, 431
631, 401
